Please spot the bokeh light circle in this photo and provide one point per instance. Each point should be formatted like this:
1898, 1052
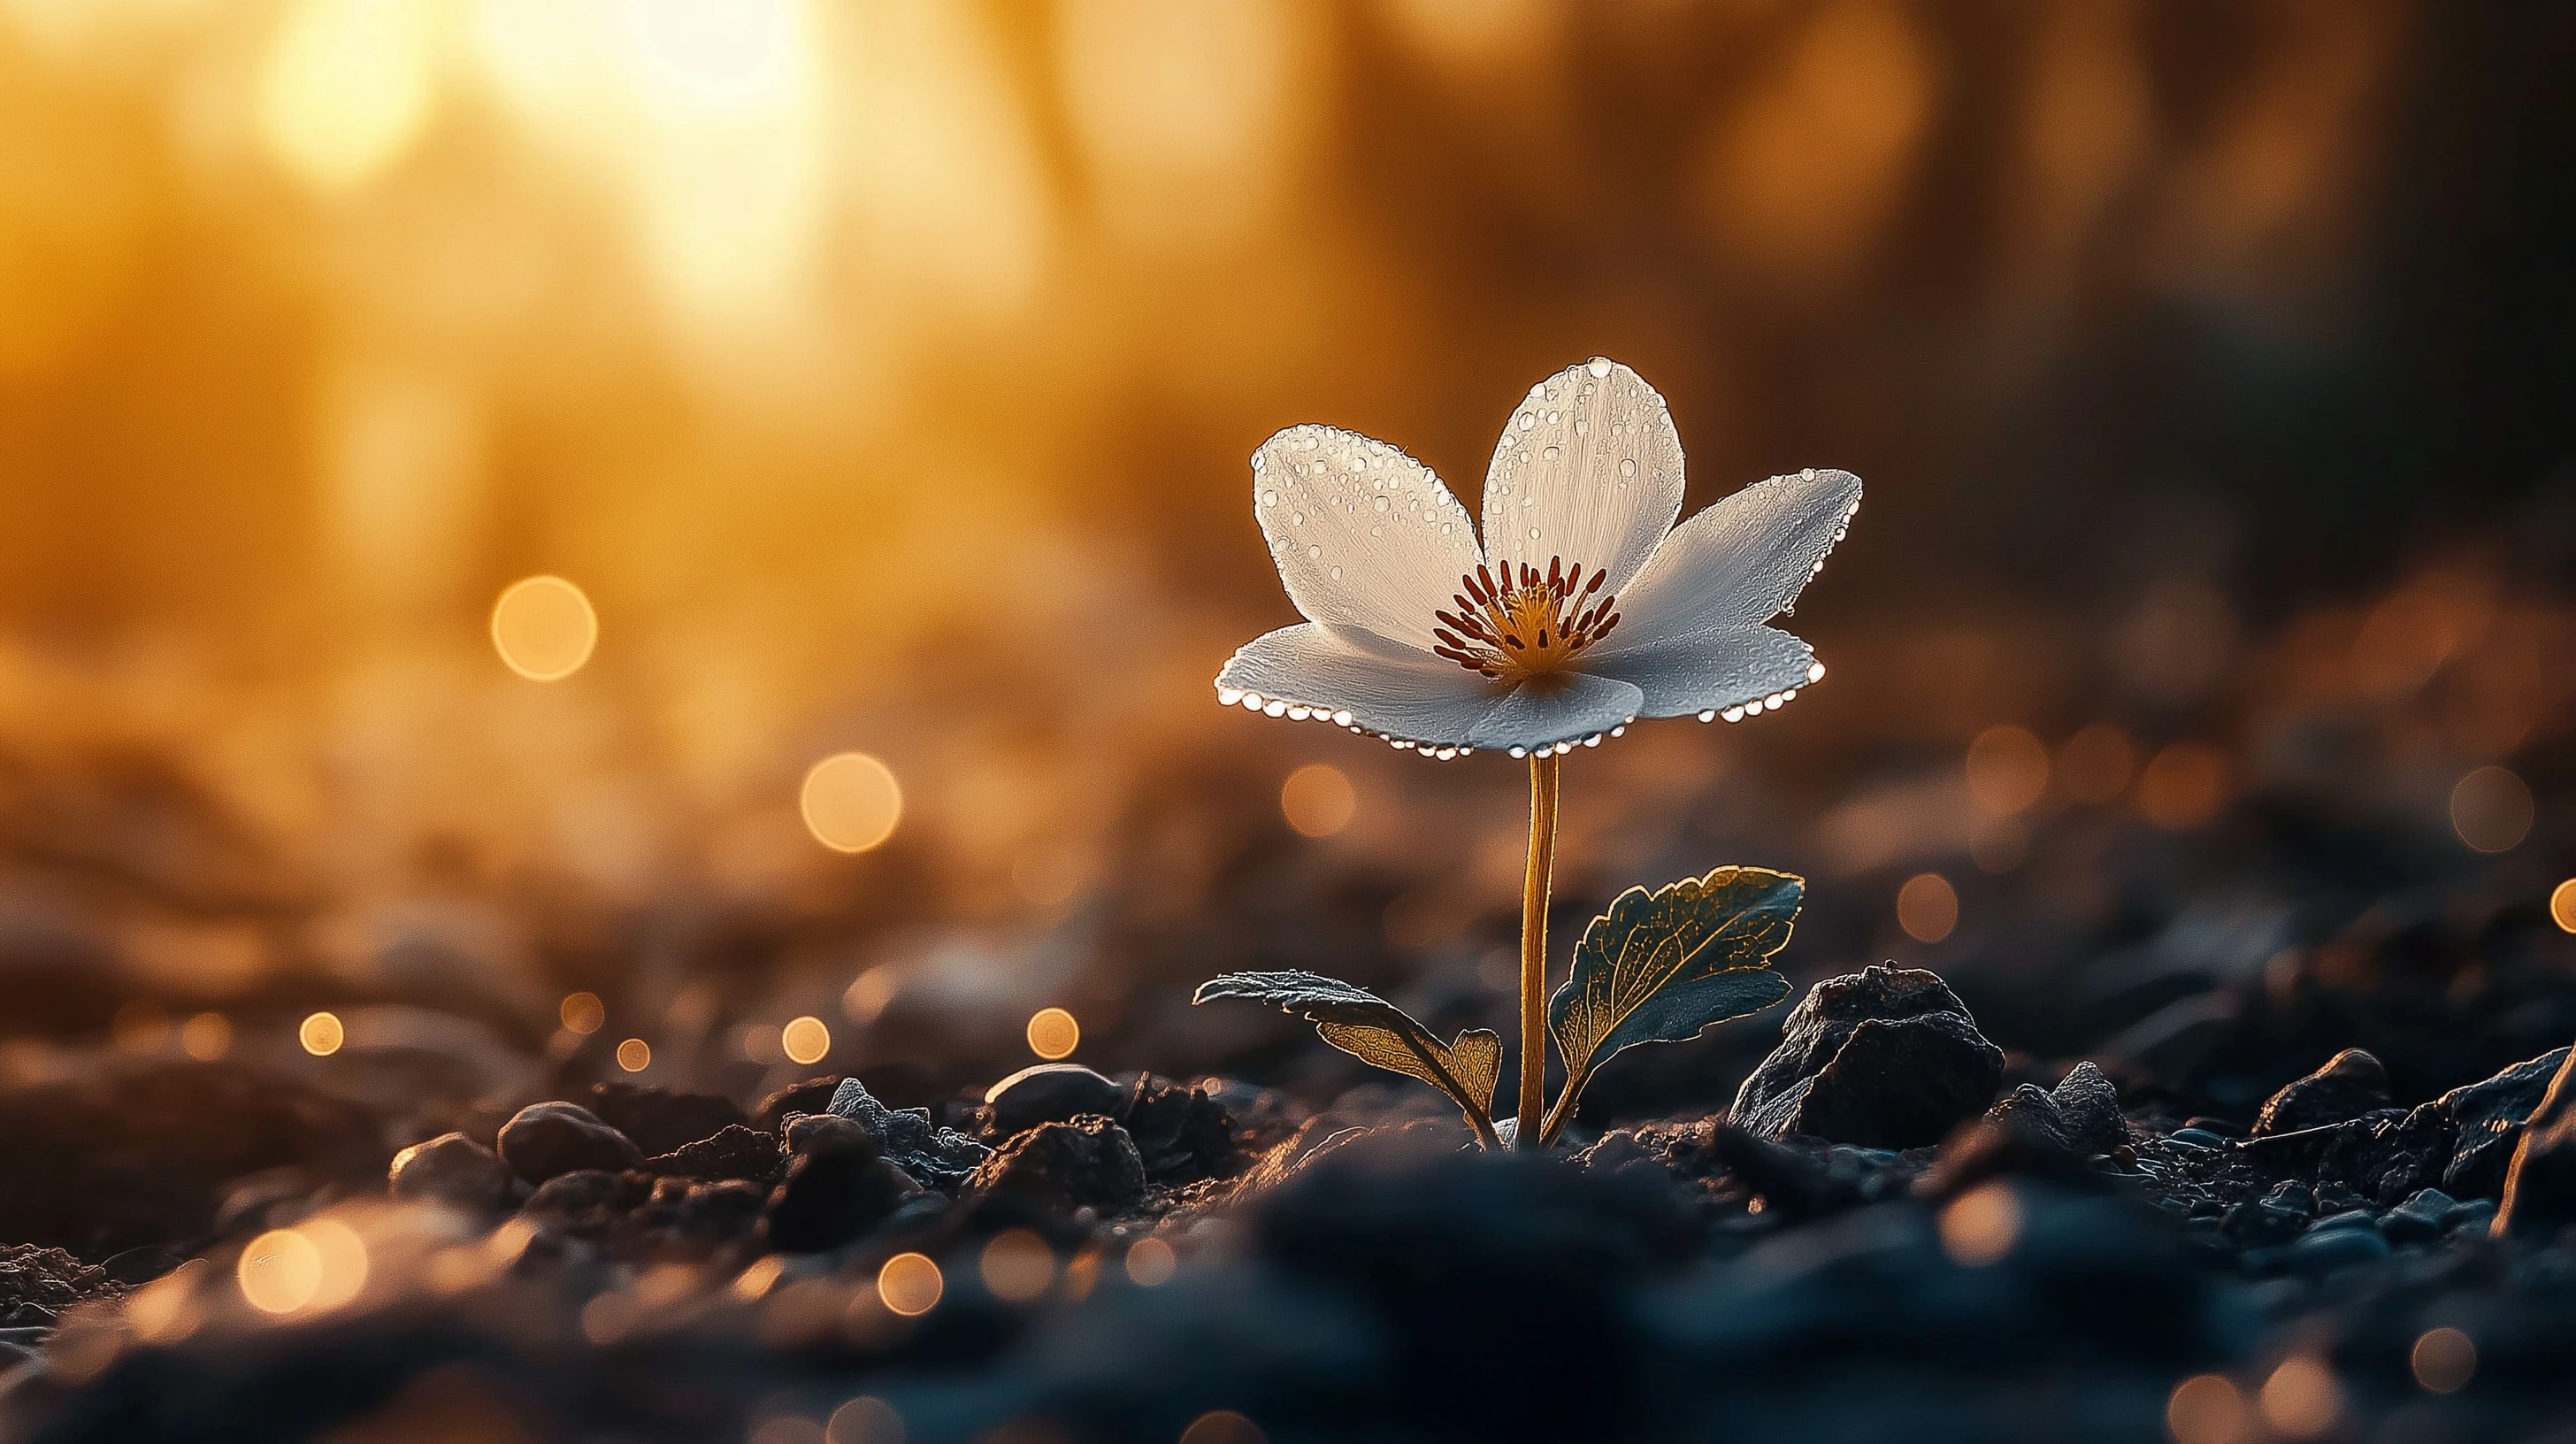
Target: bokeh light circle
321, 1034
910, 1284
2562, 905
1053, 1034
2491, 810
805, 1040
583, 1013
206, 1037
1927, 907
544, 628
2444, 1360
634, 1055
1017, 1265
1151, 1262
2007, 769
280, 1271
851, 802
1223, 1426
864, 1420
1318, 800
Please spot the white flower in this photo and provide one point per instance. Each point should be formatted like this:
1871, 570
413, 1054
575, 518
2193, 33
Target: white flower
1584, 609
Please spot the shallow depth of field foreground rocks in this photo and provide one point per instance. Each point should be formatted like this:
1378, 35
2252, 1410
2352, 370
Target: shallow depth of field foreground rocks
1899, 1230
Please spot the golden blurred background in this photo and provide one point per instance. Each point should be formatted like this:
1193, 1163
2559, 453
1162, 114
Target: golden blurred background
875, 381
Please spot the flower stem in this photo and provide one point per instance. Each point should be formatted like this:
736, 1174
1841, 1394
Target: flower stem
1542, 855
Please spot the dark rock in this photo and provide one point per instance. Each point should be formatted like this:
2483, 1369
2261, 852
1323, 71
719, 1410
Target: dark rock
937, 1157
2079, 1117
830, 1133
1088, 1163
831, 1196
546, 1139
37, 1284
1048, 1093
2489, 1116
2195, 1138
660, 1120
2351, 1083
687, 1217
2416, 1220
586, 1203
2262, 1223
1886, 1057
451, 1168
2540, 1187
2291, 1194
814, 1095
2090, 1109
2334, 1198
2472, 1216
733, 1152
117, 1158
1182, 1134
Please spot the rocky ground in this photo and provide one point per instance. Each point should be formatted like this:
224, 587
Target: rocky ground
1897, 1230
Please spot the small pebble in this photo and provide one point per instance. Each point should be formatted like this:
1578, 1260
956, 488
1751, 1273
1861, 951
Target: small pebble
2196, 1138
2325, 1250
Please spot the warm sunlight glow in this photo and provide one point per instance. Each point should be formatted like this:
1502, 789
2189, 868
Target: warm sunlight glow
1053, 1033
321, 1034
909, 1284
544, 628
805, 1040
634, 1055
851, 802
1927, 907
2562, 905
346, 87
1317, 800
141, 1026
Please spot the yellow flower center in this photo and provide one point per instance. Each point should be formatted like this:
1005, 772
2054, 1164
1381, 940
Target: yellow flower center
1513, 633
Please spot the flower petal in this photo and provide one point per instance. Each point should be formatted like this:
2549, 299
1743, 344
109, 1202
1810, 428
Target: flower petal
1566, 708
1384, 687
1589, 471
1740, 561
1709, 670
1364, 535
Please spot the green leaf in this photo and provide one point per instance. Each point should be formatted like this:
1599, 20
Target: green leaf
1660, 966
1378, 1032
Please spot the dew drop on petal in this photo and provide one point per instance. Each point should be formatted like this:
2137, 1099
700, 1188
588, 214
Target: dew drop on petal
1528, 420
1274, 709
1337, 574
1533, 533
1708, 716
1550, 454
1815, 671
1627, 466
1733, 714
1228, 696
1599, 367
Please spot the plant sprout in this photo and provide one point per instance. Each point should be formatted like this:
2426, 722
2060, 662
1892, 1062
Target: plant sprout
1582, 610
